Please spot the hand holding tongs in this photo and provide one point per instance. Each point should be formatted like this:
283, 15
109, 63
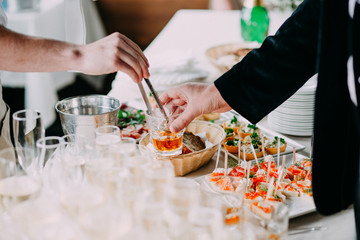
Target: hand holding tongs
148, 105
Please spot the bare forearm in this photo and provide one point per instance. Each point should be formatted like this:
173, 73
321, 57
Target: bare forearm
20, 53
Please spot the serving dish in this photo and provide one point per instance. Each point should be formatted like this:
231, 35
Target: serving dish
298, 206
267, 132
226, 55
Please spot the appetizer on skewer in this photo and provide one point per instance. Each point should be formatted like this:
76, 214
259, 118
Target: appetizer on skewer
266, 185
246, 143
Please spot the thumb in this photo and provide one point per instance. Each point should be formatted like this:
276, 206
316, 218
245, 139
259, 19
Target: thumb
183, 120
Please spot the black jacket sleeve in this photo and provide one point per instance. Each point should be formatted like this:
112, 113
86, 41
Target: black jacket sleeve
268, 76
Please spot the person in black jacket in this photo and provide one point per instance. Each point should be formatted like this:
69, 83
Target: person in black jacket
319, 37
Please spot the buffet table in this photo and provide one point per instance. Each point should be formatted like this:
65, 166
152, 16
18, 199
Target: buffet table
195, 31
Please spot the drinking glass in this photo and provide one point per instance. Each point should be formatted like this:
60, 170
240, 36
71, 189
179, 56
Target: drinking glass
158, 177
277, 226
27, 129
165, 142
107, 136
206, 222
15, 185
49, 161
73, 151
127, 146
183, 196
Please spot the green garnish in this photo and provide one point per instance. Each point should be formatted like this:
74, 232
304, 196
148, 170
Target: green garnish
234, 142
281, 140
212, 121
229, 130
252, 126
251, 175
234, 120
308, 190
127, 118
263, 188
277, 197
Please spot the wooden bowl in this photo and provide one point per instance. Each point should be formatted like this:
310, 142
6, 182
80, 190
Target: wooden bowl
186, 163
214, 54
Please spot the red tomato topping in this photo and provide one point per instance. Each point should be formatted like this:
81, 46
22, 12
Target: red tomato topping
237, 172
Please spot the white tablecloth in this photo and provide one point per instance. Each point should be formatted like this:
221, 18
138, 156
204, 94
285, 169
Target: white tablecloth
49, 21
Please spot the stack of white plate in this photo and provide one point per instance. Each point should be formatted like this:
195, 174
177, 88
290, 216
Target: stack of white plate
296, 115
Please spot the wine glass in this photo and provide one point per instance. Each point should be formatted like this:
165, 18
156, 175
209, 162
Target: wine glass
16, 185
27, 129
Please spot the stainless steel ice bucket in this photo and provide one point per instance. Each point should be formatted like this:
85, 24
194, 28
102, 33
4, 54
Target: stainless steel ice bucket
83, 114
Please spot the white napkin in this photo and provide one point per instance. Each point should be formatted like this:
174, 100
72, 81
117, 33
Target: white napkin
175, 67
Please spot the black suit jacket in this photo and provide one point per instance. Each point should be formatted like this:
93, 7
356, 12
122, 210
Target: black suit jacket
317, 38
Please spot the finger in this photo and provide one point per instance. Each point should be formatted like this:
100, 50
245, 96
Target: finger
171, 94
136, 48
183, 120
130, 61
123, 67
177, 102
124, 47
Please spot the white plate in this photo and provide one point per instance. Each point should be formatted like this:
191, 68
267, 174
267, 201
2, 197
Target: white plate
177, 77
297, 206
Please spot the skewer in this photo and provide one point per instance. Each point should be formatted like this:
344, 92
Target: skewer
262, 144
294, 153
307, 174
270, 189
239, 150
226, 163
244, 156
248, 167
278, 151
283, 162
256, 160
218, 156
268, 171
278, 180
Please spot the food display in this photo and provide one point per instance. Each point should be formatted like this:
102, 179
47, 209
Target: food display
265, 184
131, 122
245, 139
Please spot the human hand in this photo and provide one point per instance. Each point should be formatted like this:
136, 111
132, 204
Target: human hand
193, 100
114, 53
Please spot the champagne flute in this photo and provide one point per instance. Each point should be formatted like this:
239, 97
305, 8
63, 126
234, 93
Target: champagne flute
27, 128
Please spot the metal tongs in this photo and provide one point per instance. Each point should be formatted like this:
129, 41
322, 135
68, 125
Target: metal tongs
157, 100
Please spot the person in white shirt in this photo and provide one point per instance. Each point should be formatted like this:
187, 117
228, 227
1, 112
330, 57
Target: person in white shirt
22, 53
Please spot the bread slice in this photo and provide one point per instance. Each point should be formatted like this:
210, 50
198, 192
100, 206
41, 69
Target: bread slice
193, 142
